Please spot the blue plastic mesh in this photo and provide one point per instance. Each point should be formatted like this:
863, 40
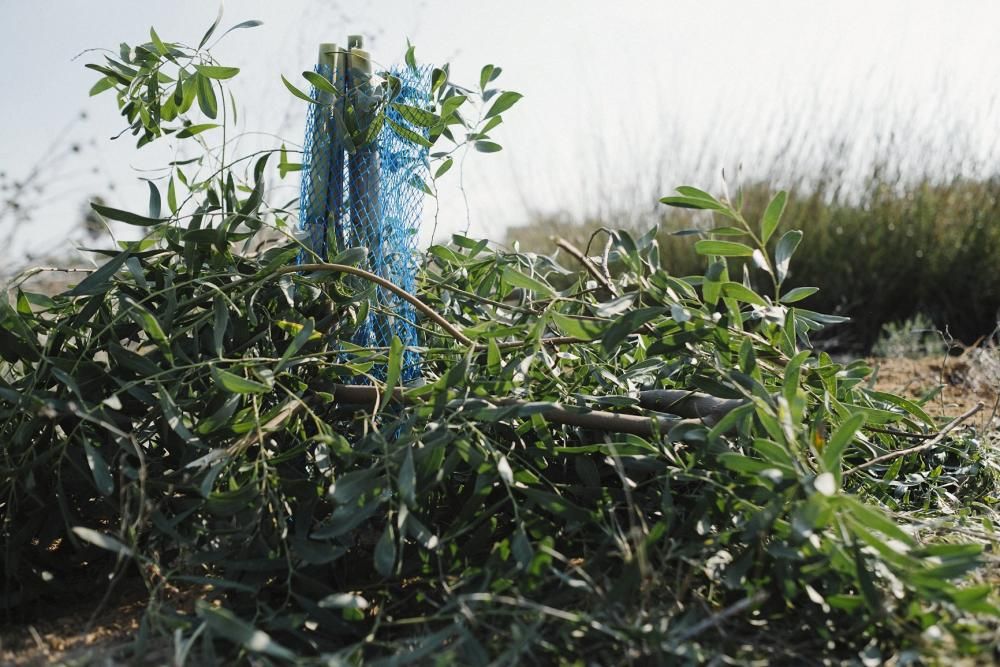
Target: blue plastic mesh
315, 188
371, 198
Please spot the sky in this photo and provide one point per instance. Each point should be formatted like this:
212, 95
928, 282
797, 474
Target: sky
622, 100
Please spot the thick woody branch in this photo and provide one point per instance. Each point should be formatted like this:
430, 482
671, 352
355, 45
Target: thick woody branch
691, 407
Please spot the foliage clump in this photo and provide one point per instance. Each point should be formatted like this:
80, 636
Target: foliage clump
881, 254
191, 413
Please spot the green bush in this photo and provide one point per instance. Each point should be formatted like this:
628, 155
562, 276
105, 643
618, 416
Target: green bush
884, 256
611, 464
915, 338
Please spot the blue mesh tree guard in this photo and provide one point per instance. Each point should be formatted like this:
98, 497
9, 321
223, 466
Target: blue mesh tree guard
371, 195
319, 168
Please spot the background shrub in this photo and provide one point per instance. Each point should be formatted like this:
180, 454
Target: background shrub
886, 254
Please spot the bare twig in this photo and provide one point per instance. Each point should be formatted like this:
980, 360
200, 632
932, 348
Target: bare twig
587, 264
901, 434
275, 423
382, 282
921, 447
550, 340
603, 278
726, 613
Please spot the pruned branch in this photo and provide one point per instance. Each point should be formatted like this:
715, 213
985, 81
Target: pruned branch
690, 407
921, 447
587, 264
706, 408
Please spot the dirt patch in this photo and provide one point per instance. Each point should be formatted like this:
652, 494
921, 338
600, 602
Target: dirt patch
69, 637
75, 635
948, 385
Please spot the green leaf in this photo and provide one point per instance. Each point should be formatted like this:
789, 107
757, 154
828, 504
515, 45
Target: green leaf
833, 451
321, 83
295, 91
584, 329
252, 23
793, 372
504, 102
220, 417
876, 519
284, 166
488, 146
385, 552
408, 134
207, 101
102, 540
39, 300
490, 124
394, 371
343, 601
97, 282
211, 29
171, 195
742, 293
221, 322
520, 546
149, 324
485, 76
226, 625
450, 105
410, 57
784, 251
102, 85
304, 335
99, 469
696, 199
238, 384
443, 169
744, 464
515, 278
798, 294
417, 116
192, 130
118, 77
154, 201
715, 275
217, 72
125, 216
627, 324
349, 486
696, 193
723, 248
408, 480
161, 48
772, 216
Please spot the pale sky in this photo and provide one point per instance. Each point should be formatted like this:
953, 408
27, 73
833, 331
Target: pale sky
623, 100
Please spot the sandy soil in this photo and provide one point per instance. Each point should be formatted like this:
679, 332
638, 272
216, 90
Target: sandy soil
69, 637
953, 384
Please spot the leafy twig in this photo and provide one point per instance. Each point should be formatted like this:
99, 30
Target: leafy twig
921, 447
